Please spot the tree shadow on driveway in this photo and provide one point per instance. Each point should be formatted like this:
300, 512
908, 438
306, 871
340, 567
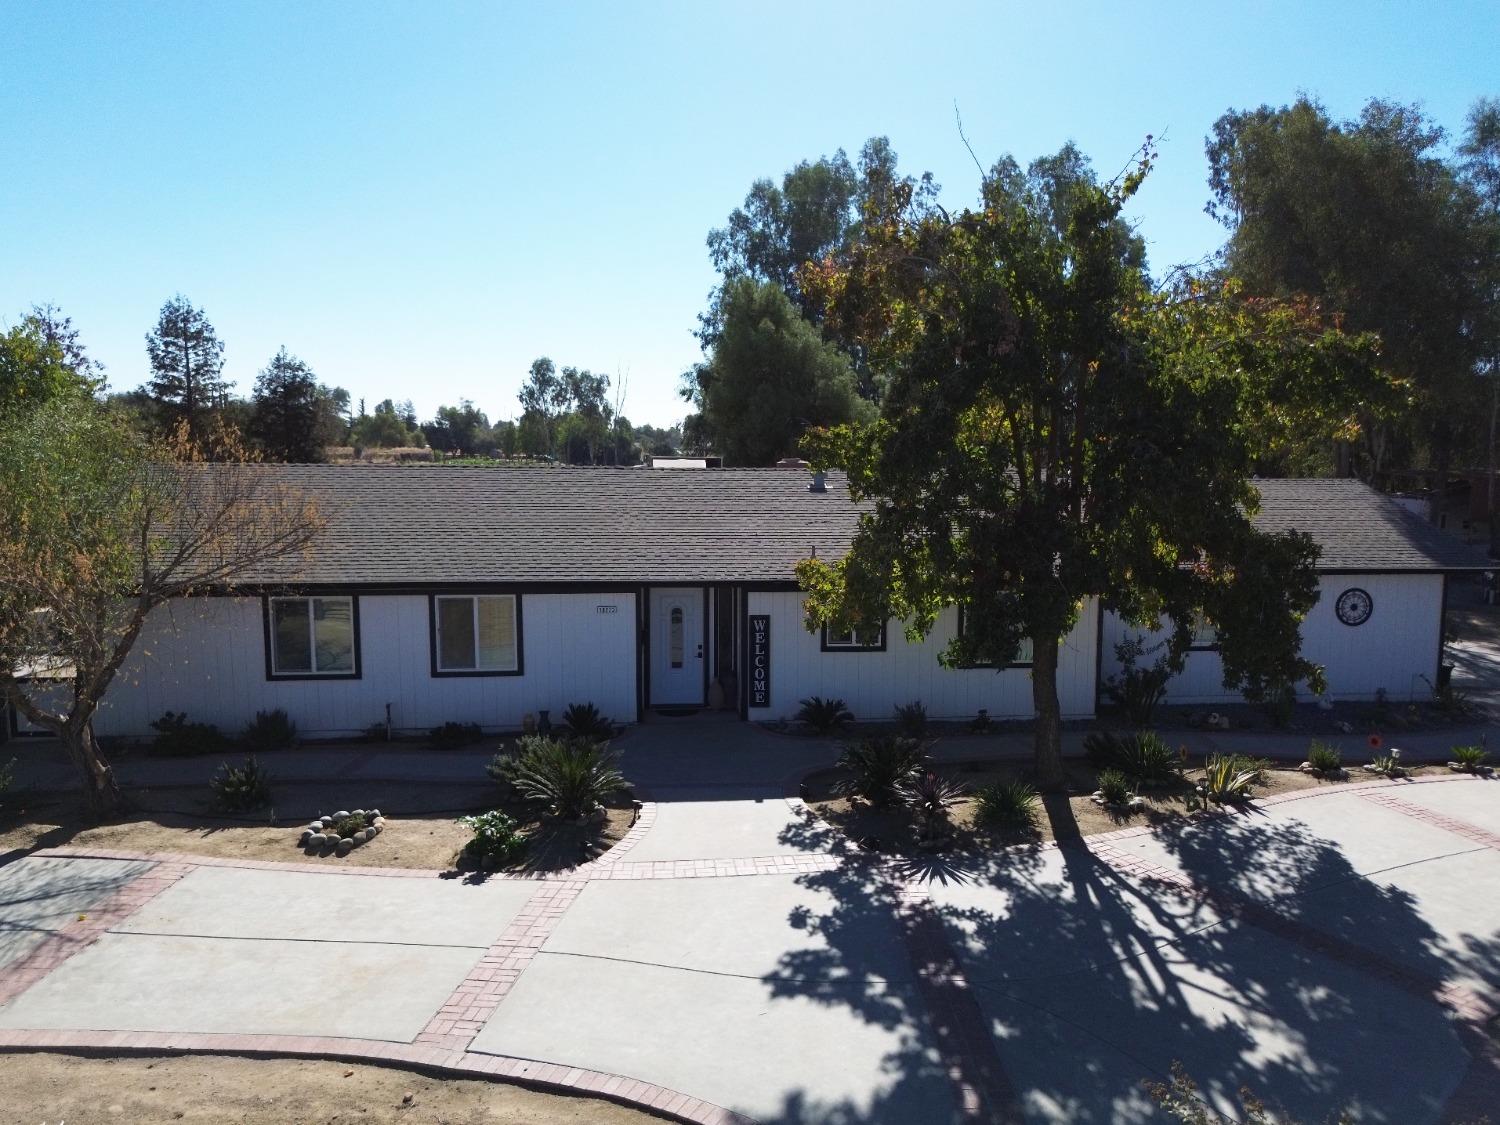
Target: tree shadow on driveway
1266, 961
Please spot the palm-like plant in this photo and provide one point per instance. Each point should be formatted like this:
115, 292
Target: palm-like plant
930, 796
877, 767
571, 777
824, 715
584, 720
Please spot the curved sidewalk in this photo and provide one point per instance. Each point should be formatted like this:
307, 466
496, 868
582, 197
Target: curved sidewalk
1324, 947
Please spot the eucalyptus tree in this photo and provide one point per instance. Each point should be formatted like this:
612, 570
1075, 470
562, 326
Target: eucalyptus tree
1054, 430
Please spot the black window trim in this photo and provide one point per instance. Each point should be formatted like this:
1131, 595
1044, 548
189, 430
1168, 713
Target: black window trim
274, 676
992, 664
826, 647
473, 673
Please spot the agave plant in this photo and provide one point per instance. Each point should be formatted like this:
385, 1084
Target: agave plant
930, 795
584, 720
1227, 778
571, 777
824, 715
1007, 804
876, 768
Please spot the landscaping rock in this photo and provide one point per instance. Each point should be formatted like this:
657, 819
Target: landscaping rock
326, 821
316, 840
345, 846
340, 815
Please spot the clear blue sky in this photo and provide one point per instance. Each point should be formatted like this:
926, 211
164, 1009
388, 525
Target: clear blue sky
420, 198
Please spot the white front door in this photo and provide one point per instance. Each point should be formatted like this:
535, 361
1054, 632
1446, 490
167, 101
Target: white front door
677, 646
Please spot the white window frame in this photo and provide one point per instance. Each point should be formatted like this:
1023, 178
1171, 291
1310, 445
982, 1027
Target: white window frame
852, 643
273, 662
475, 669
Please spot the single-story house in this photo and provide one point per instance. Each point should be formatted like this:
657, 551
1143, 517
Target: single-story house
482, 595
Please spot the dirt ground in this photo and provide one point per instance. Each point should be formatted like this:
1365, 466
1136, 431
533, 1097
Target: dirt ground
1060, 816
421, 828
56, 1089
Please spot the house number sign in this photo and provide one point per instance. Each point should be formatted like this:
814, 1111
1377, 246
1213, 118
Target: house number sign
760, 660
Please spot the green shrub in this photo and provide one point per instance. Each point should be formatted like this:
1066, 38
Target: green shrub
1184, 1103
237, 788
1007, 804
1227, 778
571, 777
1136, 690
270, 730
911, 718
824, 715
7, 776
1325, 758
1470, 758
1115, 787
496, 836
930, 795
452, 736
1143, 756
178, 738
348, 825
583, 720
878, 766
981, 723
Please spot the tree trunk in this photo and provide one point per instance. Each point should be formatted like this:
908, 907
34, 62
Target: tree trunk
99, 786
1049, 763
1443, 459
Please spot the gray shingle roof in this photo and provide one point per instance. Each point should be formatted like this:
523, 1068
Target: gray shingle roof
431, 525
1358, 528
421, 526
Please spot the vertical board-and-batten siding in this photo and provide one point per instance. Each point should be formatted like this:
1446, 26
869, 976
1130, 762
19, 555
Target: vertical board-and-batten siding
873, 683
1390, 652
206, 656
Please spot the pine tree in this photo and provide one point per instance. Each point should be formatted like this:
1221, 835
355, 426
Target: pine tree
187, 359
293, 417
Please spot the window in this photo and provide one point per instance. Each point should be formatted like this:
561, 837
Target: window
476, 635
1205, 635
312, 637
1023, 654
868, 638
675, 643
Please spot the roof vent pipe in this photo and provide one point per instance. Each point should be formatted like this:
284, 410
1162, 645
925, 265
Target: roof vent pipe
819, 482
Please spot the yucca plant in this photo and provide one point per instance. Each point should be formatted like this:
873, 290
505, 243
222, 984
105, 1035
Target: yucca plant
824, 715
1007, 804
930, 795
237, 788
1469, 758
1324, 758
876, 767
1227, 778
584, 720
1114, 787
572, 777
1144, 756
911, 718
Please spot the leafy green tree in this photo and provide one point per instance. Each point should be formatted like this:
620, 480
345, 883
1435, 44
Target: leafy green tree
1480, 154
292, 417
99, 528
41, 358
772, 376
462, 428
386, 429
534, 434
1054, 430
187, 362
1367, 217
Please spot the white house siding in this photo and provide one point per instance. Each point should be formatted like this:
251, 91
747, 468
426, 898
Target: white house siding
873, 683
206, 656
1391, 651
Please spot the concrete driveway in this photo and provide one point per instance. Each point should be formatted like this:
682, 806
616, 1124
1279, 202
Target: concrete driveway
1333, 951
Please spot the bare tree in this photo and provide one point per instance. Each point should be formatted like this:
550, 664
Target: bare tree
97, 530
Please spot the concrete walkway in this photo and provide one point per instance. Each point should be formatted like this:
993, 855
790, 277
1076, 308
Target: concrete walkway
726, 962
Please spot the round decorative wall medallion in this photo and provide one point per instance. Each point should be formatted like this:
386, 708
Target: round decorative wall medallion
1354, 606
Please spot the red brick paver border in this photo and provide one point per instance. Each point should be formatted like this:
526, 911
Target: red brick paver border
474, 1001
1438, 820
86, 928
